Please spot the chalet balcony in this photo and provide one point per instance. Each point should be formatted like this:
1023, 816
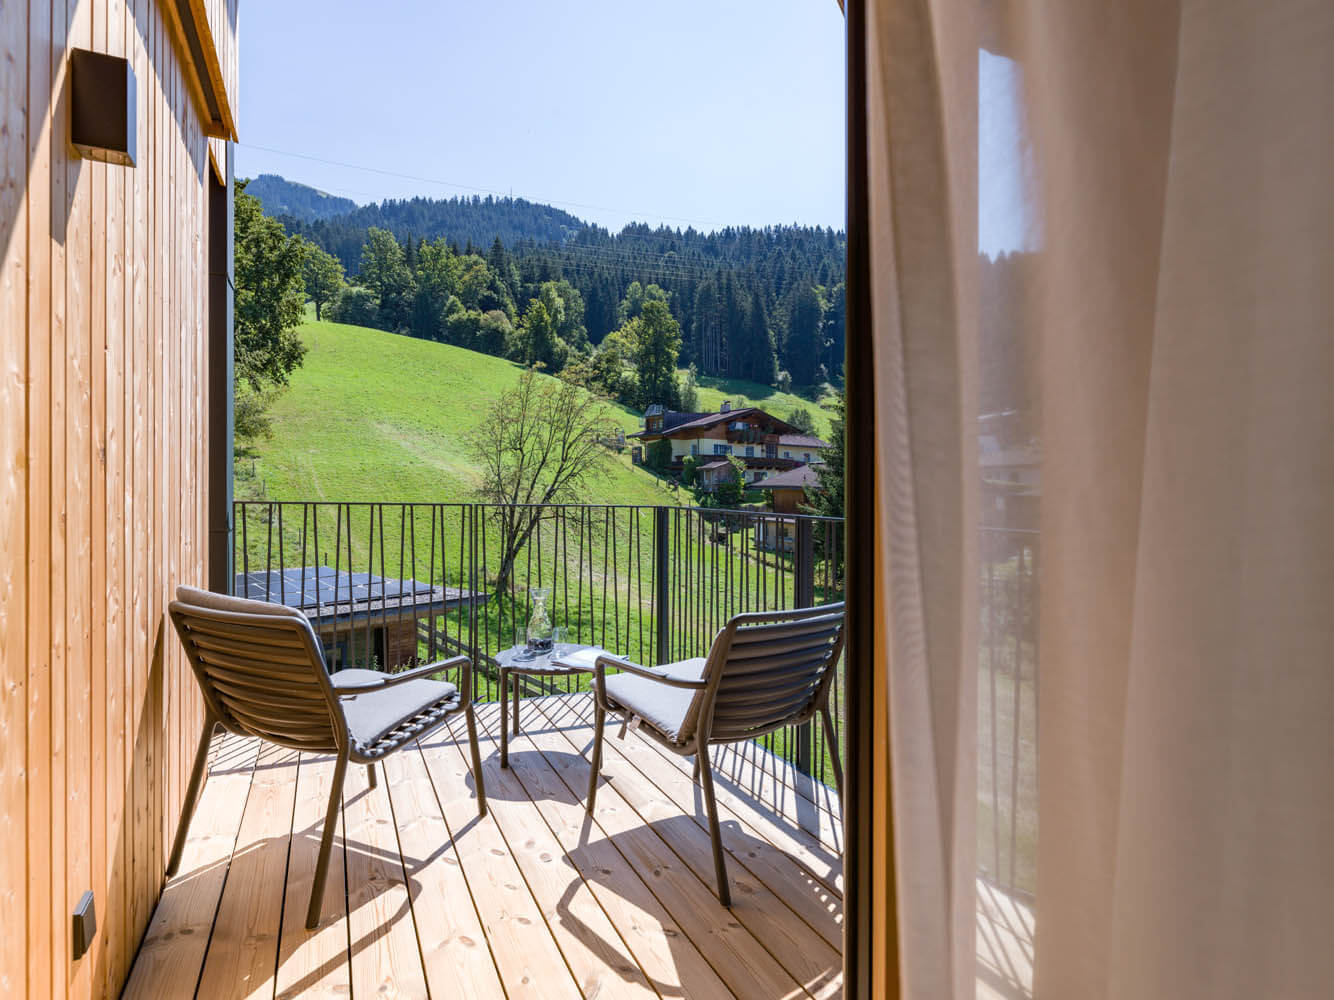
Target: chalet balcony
771, 463
537, 898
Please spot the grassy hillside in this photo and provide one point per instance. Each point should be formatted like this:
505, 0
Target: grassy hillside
378, 416
712, 392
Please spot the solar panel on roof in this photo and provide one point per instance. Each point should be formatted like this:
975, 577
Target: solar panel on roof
313, 586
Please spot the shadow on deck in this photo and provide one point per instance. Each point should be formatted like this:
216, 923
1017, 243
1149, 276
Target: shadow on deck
536, 899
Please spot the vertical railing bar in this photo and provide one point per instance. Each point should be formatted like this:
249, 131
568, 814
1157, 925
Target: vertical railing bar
605, 573
409, 514
314, 512
992, 667
615, 584
338, 573
268, 556
282, 560
245, 549
563, 548
1018, 684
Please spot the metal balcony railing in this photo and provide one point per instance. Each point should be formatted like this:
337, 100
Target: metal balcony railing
391, 585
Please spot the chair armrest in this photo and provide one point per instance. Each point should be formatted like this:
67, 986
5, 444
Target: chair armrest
389, 680
634, 668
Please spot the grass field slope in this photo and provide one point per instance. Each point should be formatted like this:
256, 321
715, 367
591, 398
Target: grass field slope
379, 416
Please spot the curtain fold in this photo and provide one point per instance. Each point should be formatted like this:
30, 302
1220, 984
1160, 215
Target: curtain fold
1105, 494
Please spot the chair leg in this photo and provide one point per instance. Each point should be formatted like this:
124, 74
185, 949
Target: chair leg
831, 740
192, 791
326, 845
370, 774
595, 765
720, 866
477, 778
694, 775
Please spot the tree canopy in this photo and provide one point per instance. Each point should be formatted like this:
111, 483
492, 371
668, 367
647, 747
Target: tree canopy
733, 292
323, 273
270, 296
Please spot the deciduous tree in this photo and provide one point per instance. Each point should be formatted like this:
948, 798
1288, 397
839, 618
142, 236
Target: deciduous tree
539, 444
323, 275
270, 296
384, 270
657, 336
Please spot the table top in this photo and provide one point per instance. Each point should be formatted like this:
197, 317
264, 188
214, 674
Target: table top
511, 660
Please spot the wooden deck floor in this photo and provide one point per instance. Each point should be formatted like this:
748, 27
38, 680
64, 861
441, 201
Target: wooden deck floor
535, 900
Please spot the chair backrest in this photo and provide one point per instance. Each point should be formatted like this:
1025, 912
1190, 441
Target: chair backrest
260, 668
769, 669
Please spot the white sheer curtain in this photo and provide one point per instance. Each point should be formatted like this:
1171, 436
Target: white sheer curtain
1103, 312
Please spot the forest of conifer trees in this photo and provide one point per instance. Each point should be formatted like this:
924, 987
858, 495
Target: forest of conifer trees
530, 281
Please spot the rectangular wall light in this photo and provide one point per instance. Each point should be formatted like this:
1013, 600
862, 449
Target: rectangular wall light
102, 107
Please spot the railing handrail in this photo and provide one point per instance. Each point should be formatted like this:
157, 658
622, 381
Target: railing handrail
730, 511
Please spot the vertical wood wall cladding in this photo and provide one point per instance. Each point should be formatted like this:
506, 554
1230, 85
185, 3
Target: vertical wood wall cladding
103, 408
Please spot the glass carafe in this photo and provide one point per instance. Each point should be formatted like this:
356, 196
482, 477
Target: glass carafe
539, 623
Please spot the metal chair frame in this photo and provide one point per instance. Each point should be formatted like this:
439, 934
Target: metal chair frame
782, 679
263, 674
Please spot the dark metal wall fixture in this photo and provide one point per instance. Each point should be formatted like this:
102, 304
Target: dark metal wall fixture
859, 876
191, 32
102, 107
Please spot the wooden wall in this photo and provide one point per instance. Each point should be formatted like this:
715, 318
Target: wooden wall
102, 488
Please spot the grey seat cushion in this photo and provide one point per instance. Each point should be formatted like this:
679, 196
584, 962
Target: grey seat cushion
667, 709
374, 714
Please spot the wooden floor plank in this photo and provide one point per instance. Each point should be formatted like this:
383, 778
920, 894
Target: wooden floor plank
819, 905
314, 963
596, 954
738, 760
454, 947
804, 952
176, 943
669, 958
243, 952
769, 887
536, 900
530, 963
757, 814
386, 959
736, 955
772, 787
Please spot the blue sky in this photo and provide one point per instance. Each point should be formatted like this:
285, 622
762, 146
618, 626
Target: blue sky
683, 112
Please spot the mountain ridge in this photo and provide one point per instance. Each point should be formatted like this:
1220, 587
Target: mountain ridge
291, 198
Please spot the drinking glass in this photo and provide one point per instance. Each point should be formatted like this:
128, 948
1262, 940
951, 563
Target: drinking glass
560, 641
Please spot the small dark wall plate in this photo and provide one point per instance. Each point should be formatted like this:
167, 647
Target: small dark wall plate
102, 107
84, 928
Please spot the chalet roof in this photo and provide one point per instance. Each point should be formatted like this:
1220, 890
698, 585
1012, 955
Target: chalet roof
673, 423
802, 441
671, 419
801, 478
714, 465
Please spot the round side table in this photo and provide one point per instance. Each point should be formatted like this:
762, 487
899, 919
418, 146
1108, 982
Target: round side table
513, 665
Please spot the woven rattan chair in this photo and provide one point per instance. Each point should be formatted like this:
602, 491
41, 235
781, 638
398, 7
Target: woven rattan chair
764, 671
262, 674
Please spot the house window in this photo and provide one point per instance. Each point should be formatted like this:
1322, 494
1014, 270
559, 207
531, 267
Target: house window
750, 451
722, 449
787, 454
771, 451
806, 457
694, 449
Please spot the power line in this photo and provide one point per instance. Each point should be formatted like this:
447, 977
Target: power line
473, 188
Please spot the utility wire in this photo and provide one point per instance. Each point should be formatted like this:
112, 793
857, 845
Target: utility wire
470, 187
